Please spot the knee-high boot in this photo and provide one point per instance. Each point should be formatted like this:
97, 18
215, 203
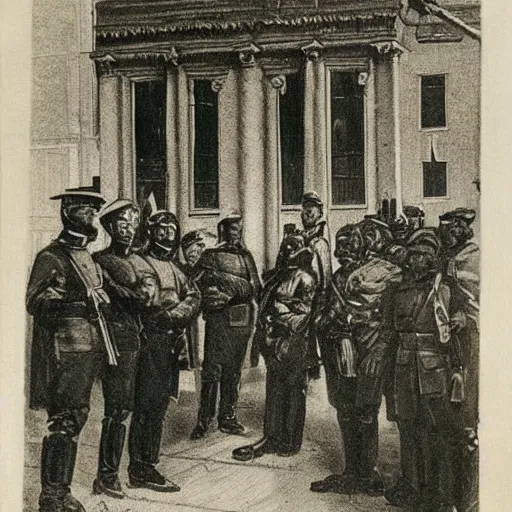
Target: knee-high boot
370, 480
113, 434
229, 386
207, 406
57, 466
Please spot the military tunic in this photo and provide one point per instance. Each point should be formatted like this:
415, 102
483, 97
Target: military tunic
285, 311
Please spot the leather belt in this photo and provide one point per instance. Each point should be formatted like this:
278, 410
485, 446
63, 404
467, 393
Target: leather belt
419, 341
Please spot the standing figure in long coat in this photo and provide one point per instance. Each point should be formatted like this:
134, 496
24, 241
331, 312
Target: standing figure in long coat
171, 304
284, 321
316, 239
460, 263
418, 320
72, 345
125, 270
355, 353
230, 287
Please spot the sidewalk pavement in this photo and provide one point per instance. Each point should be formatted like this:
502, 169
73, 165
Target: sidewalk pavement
209, 478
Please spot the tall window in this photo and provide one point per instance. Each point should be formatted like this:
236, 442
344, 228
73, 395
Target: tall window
347, 139
433, 104
206, 146
291, 127
150, 147
434, 178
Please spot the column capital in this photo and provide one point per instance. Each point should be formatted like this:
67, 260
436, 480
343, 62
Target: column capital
247, 55
108, 62
312, 50
388, 48
278, 82
218, 83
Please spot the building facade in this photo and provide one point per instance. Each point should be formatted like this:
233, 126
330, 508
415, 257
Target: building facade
215, 106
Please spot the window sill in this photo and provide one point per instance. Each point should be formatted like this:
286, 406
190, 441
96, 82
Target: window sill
348, 207
440, 199
291, 208
204, 213
433, 130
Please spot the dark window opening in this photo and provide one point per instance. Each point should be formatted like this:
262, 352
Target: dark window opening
206, 145
291, 130
433, 107
434, 178
347, 139
150, 146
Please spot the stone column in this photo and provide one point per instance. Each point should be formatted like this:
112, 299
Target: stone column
171, 130
315, 128
392, 50
368, 80
273, 87
252, 157
116, 134
183, 146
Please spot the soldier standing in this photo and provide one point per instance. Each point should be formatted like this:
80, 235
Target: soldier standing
355, 353
229, 283
460, 262
418, 318
313, 231
284, 320
125, 271
171, 304
71, 344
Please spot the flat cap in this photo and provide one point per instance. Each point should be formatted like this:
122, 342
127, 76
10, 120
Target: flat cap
466, 214
311, 199
191, 238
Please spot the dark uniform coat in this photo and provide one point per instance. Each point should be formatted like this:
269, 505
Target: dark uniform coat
232, 270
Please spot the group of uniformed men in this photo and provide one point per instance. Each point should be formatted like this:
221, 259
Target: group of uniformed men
399, 319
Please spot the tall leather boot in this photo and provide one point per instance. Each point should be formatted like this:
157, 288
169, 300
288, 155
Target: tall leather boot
144, 444
348, 482
294, 420
370, 480
207, 406
228, 422
57, 466
113, 433
406, 491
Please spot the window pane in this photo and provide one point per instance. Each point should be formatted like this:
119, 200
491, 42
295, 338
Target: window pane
291, 125
347, 139
434, 179
206, 147
150, 145
433, 111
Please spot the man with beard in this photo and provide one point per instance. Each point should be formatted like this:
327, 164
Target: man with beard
124, 269
354, 352
313, 232
460, 262
71, 344
229, 283
417, 317
284, 320
171, 304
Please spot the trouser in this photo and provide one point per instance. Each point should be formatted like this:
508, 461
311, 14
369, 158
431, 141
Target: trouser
224, 354
285, 404
72, 377
359, 426
430, 450
156, 383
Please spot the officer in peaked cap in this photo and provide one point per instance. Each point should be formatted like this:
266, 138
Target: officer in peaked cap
230, 286
125, 272
316, 239
66, 298
417, 316
460, 259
